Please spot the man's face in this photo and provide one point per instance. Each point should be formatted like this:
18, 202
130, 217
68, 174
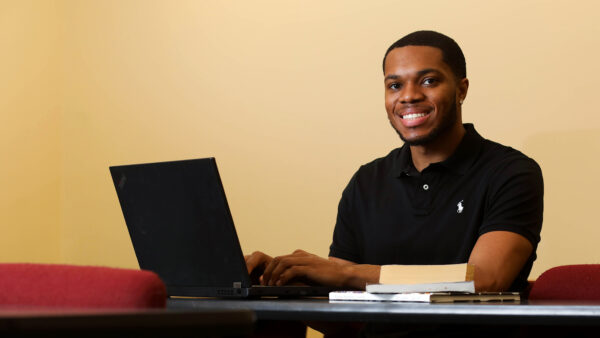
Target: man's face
421, 94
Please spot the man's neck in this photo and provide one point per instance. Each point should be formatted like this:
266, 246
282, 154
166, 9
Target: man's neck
438, 150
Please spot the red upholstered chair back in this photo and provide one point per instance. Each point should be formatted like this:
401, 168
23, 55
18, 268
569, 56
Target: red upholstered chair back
51, 285
568, 282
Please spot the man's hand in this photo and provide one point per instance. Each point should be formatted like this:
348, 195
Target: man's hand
303, 266
256, 264
312, 269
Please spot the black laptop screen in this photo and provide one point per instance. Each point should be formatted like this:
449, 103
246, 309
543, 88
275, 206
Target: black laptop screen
179, 222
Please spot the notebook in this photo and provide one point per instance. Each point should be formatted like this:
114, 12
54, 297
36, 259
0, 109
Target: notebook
181, 228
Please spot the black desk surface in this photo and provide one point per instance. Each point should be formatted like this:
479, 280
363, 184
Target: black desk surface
32, 321
455, 313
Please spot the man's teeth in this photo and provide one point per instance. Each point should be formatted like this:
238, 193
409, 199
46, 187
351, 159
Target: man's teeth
413, 116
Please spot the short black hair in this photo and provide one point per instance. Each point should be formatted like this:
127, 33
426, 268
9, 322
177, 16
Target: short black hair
452, 55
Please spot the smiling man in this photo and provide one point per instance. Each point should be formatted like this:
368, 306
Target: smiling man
446, 196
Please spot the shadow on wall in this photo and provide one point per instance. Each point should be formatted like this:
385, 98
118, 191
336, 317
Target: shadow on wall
570, 164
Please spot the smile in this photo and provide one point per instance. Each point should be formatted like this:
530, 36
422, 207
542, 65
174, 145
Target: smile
413, 116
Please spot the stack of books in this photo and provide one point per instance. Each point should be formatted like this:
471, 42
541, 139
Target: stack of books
424, 283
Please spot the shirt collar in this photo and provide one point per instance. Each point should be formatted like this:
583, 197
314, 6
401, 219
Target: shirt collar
404, 165
459, 162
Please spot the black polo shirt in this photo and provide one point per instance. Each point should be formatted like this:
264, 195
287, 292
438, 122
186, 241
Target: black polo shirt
392, 214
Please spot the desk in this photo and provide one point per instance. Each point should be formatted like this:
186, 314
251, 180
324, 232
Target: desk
539, 314
45, 322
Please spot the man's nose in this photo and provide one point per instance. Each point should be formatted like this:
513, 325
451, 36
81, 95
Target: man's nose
411, 93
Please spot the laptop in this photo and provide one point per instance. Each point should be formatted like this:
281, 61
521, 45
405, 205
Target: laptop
181, 228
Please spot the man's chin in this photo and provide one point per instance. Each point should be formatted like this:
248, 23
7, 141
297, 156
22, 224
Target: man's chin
415, 140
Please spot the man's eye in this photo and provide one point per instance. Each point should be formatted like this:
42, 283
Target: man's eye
394, 86
429, 81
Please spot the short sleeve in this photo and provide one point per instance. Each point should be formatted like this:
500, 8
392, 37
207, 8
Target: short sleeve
345, 241
516, 199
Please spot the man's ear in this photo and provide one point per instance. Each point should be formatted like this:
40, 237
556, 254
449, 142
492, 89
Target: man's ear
462, 89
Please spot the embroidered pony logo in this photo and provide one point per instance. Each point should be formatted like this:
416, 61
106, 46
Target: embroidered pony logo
460, 207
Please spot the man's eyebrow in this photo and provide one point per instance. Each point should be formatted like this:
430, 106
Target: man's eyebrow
427, 70
419, 73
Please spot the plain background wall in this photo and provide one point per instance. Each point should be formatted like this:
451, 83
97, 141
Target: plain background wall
287, 95
30, 101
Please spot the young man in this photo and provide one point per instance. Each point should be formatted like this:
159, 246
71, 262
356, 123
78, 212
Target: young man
446, 196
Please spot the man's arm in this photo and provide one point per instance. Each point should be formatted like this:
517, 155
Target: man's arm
498, 256
359, 274
511, 225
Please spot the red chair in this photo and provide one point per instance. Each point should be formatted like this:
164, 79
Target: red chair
568, 282
70, 286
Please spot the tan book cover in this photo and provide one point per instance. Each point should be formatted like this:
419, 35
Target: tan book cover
421, 274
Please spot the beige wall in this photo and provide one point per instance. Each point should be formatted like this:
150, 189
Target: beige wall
288, 96
29, 131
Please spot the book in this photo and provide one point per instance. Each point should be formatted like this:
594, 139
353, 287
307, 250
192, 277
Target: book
424, 278
420, 274
424, 297
423, 287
